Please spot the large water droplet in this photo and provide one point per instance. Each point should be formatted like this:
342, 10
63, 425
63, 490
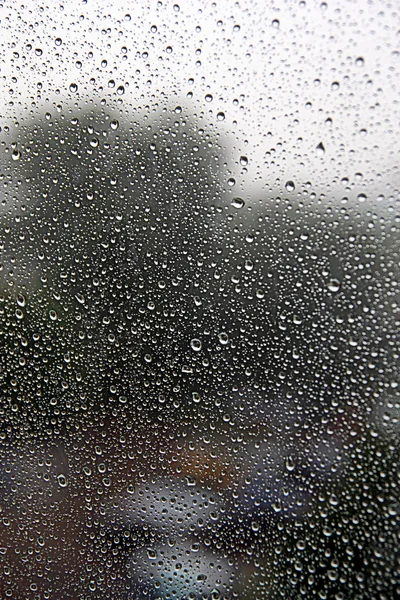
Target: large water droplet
334, 285
237, 203
289, 185
195, 345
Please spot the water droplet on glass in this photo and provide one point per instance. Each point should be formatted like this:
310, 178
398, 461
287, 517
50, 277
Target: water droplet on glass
361, 197
196, 397
73, 88
208, 98
289, 185
289, 463
120, 90
114, 124
360, 61
21, 300
223, 338
275, 23
196, 345
221, 116
237, 203
320, 149
62, 480
244, 161
16, 155
334, 285
231, 181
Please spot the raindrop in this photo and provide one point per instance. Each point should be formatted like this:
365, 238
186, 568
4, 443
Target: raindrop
244, 161
231, 181
360, 61
73, 88
289, 463
196, 397
334, 285
21, 300
221, 116
320, 149
237, 203
196, 345
208, 98
62, 480
223, 338
289, 185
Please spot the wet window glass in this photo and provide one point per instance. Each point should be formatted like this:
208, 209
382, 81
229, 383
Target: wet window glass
199, 300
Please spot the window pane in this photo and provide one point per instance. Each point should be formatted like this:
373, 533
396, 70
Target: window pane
199, 300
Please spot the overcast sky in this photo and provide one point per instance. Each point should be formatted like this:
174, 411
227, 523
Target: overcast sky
288, 76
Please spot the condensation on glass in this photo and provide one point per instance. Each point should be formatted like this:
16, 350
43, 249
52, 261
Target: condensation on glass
199, 300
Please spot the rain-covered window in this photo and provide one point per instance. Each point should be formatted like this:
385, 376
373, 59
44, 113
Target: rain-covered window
199, 300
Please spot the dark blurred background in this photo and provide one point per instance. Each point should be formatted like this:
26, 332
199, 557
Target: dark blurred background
199, 387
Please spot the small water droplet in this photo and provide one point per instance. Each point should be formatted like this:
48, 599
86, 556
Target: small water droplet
73, 87
360, 61
221, 116
244, 161
361, 197
120, 90
275, 23
208, 98
16, 155
231, 182
320, 149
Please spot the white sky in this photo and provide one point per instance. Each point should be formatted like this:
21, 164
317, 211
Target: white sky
271, 69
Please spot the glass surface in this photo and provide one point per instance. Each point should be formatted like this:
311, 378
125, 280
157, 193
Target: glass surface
199, 300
